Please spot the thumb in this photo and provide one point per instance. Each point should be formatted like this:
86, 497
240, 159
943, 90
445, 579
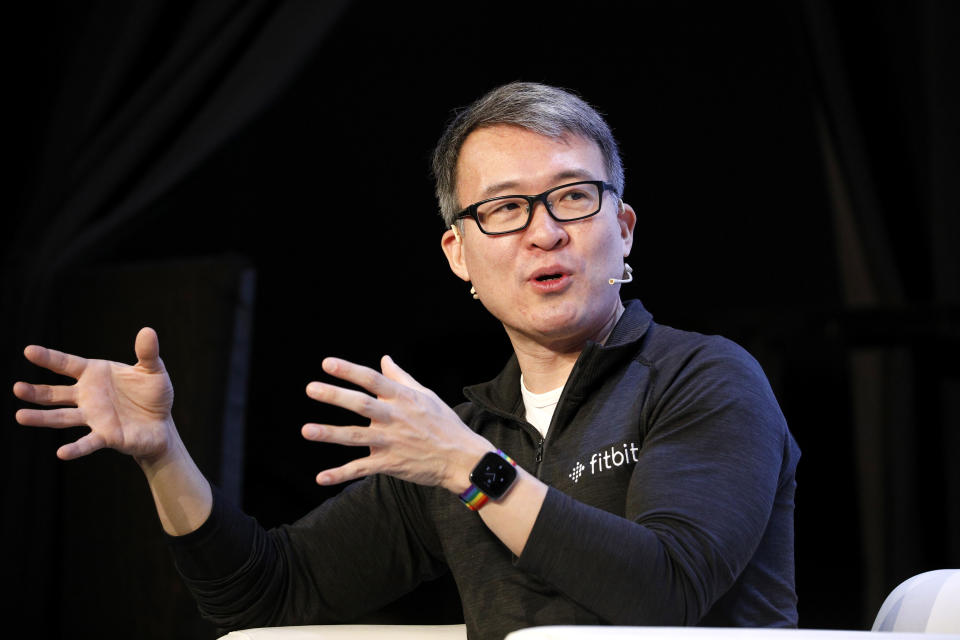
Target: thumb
147, 348
393, 371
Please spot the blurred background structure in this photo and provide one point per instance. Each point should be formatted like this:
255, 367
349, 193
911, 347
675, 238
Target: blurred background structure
252, 180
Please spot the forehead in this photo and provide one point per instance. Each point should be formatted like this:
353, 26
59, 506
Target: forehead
503, 158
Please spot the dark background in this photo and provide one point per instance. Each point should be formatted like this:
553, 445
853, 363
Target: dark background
251, 179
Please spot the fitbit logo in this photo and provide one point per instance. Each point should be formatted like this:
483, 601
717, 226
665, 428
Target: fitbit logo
607, 459
577, 471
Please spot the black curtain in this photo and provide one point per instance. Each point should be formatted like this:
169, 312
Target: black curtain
141, 96
114, 104
887, 99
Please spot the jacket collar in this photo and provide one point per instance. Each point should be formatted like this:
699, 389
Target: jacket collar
501, 395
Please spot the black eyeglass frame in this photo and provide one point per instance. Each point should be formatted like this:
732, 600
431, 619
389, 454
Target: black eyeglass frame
471, 211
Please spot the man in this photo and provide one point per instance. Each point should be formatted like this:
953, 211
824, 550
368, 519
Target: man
616, 472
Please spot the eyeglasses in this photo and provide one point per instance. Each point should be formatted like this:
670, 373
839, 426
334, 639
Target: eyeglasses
566, 203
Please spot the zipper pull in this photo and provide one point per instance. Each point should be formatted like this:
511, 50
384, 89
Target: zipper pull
540, 451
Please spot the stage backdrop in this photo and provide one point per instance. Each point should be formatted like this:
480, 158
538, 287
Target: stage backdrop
251, 179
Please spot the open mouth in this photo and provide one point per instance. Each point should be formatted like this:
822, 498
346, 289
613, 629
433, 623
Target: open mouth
549, 276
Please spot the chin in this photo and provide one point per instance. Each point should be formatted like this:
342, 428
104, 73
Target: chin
562, 321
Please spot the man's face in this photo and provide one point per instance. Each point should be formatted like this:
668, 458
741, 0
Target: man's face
549, 282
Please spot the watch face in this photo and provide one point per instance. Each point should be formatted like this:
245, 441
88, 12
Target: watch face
493, 475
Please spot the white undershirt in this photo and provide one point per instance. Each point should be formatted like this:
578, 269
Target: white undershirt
539, 406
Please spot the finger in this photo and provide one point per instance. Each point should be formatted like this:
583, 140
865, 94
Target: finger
55, 418
45, 394
393, 371
348, 436
359, 468
356, 401
56, 361
370, 379
147, 348
84, 446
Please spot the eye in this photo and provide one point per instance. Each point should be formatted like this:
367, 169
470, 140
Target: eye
574, 195
509, 206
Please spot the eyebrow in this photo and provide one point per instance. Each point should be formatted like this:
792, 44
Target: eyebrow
576, 174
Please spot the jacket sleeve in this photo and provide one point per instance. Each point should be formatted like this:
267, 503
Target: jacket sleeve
353, 554
699, 499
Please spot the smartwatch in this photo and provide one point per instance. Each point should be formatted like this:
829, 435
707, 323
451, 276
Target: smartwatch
491, 478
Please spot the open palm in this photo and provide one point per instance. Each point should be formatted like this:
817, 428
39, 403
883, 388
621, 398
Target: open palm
127, 407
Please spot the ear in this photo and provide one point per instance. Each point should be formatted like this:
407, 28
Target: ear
452, 244
627, 218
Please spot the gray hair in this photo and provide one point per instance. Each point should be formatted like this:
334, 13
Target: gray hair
540, 108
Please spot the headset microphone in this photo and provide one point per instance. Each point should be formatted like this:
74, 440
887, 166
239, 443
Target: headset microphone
627, 271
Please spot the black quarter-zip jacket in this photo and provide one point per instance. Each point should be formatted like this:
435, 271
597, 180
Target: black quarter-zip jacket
671, 474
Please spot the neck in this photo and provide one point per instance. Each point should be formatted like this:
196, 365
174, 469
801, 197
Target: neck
546, 363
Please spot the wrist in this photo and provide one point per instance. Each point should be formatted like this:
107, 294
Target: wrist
462, 463
167, 449
181, 494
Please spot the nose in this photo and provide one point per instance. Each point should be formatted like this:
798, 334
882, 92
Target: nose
543, 231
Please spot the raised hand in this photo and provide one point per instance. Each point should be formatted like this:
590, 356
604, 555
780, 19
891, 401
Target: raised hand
413, 434
127, 407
